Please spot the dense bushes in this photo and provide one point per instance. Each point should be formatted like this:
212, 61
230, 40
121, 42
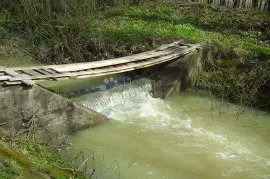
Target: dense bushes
240, 79
54, 29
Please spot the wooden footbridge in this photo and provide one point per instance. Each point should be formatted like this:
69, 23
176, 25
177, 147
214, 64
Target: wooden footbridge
30, 75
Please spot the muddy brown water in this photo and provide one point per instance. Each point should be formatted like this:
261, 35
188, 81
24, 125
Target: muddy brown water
188, 136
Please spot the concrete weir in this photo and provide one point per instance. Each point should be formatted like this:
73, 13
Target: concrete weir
176, 76
52, 117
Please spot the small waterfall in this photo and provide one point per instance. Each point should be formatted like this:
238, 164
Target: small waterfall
181, 126
134, 104
105, 101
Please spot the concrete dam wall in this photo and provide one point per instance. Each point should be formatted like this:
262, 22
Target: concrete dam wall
49, 116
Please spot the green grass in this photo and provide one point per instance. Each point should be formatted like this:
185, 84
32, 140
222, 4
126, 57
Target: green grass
133, 25
30, 157
11, 55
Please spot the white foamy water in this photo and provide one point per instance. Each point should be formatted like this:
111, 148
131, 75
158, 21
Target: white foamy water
180, 137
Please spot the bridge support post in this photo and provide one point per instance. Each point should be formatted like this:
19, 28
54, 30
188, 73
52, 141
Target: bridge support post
176, 76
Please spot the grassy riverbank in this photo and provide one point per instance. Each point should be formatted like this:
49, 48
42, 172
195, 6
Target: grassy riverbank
83, 35
12, 55
32, 159
243, 31
237, 67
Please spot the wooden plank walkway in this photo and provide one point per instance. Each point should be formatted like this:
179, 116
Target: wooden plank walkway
29, 75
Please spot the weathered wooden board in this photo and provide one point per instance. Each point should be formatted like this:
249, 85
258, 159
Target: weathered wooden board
120, 68
43, 72
49, 70
4, 78
14, 74
28, 82
31, 72
96, 64
13, 82
80, 67
130, 67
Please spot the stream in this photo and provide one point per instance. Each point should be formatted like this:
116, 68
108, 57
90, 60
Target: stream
188, 136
